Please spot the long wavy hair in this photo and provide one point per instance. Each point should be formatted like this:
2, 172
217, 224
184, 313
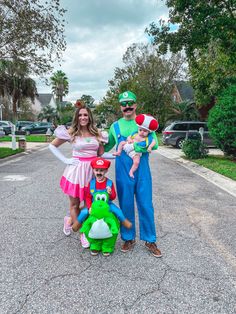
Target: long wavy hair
75, 129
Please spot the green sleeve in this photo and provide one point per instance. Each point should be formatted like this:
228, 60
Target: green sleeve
86, 225
112, 225
139, 149
111, 140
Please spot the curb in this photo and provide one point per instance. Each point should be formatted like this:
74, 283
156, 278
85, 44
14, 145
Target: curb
217, 179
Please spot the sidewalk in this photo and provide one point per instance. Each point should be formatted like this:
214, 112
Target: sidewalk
219, 180
29, 145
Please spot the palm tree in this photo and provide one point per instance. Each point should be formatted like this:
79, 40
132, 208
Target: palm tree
60, 85
184, 111
16, 83
49, 113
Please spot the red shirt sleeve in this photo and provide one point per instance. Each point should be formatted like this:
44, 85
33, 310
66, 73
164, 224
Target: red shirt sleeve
112, 196
88, 199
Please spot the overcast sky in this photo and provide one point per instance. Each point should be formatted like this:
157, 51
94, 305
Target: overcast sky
97, 34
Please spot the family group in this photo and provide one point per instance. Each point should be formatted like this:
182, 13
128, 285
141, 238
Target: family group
91, 193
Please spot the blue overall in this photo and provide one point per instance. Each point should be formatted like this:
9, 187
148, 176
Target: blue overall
141, 187
113, 208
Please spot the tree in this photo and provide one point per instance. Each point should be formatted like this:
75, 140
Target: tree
222, 121
206, 31
184, 111
26, 112
16, 83
49, 113
105, 113
65, 113
60, 85
211, 72
33, 31
150, 77
88, 100
199, 23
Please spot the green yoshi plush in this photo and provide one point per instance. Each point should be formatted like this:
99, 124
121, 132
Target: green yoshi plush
101, 228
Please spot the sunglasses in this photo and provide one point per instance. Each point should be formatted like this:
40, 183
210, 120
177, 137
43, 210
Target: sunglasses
125, 103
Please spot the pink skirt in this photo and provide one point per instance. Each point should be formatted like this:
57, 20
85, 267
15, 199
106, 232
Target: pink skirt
75, 179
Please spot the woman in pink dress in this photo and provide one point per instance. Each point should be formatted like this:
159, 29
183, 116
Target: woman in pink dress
86, 143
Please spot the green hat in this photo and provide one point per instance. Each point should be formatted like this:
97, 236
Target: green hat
127, 96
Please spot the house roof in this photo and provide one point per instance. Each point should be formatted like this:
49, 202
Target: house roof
45, 99
185, 90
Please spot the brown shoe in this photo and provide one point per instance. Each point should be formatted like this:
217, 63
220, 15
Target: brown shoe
76, 226
127, 246
94, 252
152, 247
127, 224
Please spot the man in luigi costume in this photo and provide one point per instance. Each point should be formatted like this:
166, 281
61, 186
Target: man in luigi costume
139, 186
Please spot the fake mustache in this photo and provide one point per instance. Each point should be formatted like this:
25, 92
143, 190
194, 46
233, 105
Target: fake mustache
128, 109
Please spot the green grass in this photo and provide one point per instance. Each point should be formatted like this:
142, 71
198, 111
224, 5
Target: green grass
5, 151
29, 138
220, 164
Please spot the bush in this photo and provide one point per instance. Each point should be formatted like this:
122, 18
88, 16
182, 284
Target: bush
222, 121
194, 149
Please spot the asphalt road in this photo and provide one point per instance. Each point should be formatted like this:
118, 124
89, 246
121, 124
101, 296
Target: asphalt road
42, 271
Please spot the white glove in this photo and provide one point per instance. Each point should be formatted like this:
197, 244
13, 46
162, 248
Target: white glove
104, 137
61, 157
108, 156
128, 148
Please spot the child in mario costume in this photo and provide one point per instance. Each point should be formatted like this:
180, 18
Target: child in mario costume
100, 183
102, 227
146, 124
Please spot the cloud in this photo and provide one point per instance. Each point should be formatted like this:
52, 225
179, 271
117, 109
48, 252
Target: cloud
98, 33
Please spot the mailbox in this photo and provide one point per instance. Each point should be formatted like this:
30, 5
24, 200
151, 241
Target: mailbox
22, 143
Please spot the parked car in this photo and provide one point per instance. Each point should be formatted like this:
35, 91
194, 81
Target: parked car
175, 133
20, 124
6, 126
38, 128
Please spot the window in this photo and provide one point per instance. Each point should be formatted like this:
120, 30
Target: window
180, 127
3, 123
196, 126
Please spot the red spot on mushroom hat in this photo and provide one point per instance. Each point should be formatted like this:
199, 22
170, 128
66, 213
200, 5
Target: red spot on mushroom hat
147, 122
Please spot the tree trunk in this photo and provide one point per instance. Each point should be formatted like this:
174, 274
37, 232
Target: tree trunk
14, 108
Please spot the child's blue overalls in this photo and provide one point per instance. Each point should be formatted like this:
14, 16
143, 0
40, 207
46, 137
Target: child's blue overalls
113, 208
141, 187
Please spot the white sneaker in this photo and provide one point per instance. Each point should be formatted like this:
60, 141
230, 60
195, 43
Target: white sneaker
84, 242
67, 226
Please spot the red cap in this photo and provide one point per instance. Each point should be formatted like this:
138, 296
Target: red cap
147, 122
100, 163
